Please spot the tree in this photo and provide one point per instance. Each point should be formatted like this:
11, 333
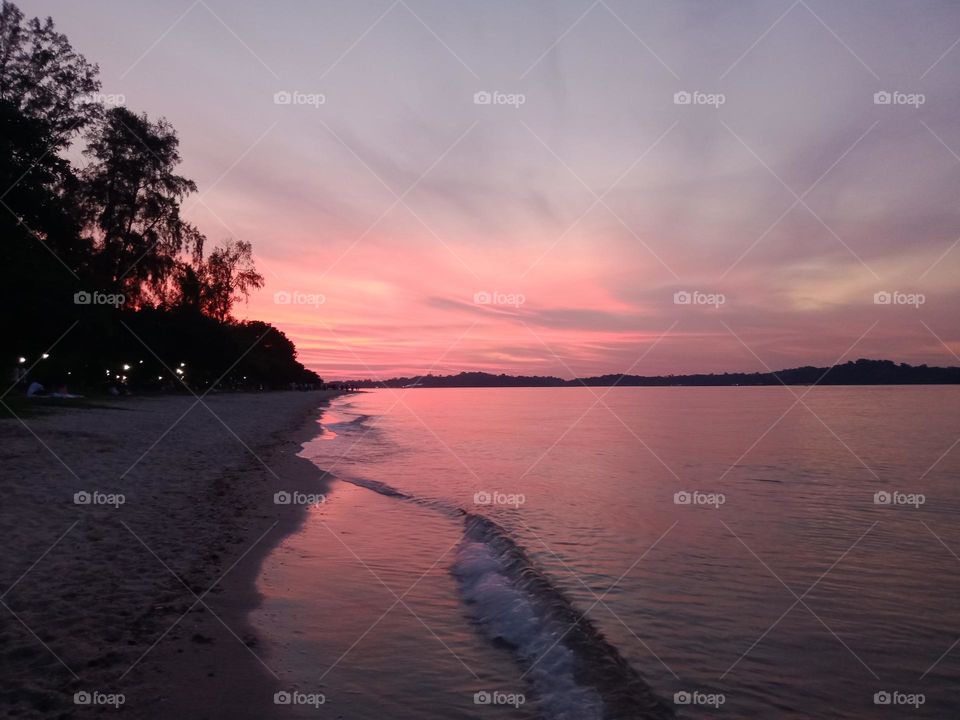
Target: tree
228, 275
115, 227
132, 201
44, 77
46, 98
211, 286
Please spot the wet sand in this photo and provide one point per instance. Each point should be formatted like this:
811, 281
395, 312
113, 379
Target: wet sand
142, 586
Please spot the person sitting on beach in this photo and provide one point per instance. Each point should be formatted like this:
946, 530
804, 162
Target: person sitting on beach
63, 392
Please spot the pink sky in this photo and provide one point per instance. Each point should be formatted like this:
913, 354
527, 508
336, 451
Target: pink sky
597, 199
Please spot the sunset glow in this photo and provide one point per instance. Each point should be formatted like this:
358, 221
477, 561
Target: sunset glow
384, 187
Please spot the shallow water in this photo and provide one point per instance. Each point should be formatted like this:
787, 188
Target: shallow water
539, 550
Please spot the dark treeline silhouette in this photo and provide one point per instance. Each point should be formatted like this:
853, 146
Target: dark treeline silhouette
100, 256
861, 372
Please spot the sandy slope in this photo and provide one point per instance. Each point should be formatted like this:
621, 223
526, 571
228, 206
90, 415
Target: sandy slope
104, 597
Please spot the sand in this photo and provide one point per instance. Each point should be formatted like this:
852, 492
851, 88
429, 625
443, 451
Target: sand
145, 595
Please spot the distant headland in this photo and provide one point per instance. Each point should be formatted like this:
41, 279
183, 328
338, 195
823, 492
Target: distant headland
860, 372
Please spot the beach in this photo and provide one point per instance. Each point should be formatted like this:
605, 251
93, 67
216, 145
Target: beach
134, 531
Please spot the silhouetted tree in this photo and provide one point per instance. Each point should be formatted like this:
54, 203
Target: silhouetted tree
46, 98
132, 200
227, 275
44, 78
115, 227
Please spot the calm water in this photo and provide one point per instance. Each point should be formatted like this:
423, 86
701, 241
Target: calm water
532, 542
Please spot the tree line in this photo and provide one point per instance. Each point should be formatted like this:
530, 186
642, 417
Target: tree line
860, 372
102, 279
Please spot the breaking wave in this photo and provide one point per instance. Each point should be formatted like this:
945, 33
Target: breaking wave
573, 672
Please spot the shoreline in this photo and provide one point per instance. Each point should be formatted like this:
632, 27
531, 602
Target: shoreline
245, 689
148, 597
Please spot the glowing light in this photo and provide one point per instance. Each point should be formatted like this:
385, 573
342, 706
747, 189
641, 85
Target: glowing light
22, 360
126, 367
179, 371
45, 356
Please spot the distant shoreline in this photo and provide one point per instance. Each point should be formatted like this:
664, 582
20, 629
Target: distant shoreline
860, 372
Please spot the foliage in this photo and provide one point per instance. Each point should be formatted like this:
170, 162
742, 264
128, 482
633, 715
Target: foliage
115, 228
131, 202
44, 78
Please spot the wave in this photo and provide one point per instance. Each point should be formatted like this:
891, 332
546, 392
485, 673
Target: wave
354, 422
573, 671
378, 487
334, 423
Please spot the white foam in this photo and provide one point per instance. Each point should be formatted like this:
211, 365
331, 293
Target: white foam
506, 613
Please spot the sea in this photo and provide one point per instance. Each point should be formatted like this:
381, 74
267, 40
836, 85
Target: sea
595, 553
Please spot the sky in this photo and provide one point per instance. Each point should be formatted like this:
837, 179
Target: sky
565, 188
